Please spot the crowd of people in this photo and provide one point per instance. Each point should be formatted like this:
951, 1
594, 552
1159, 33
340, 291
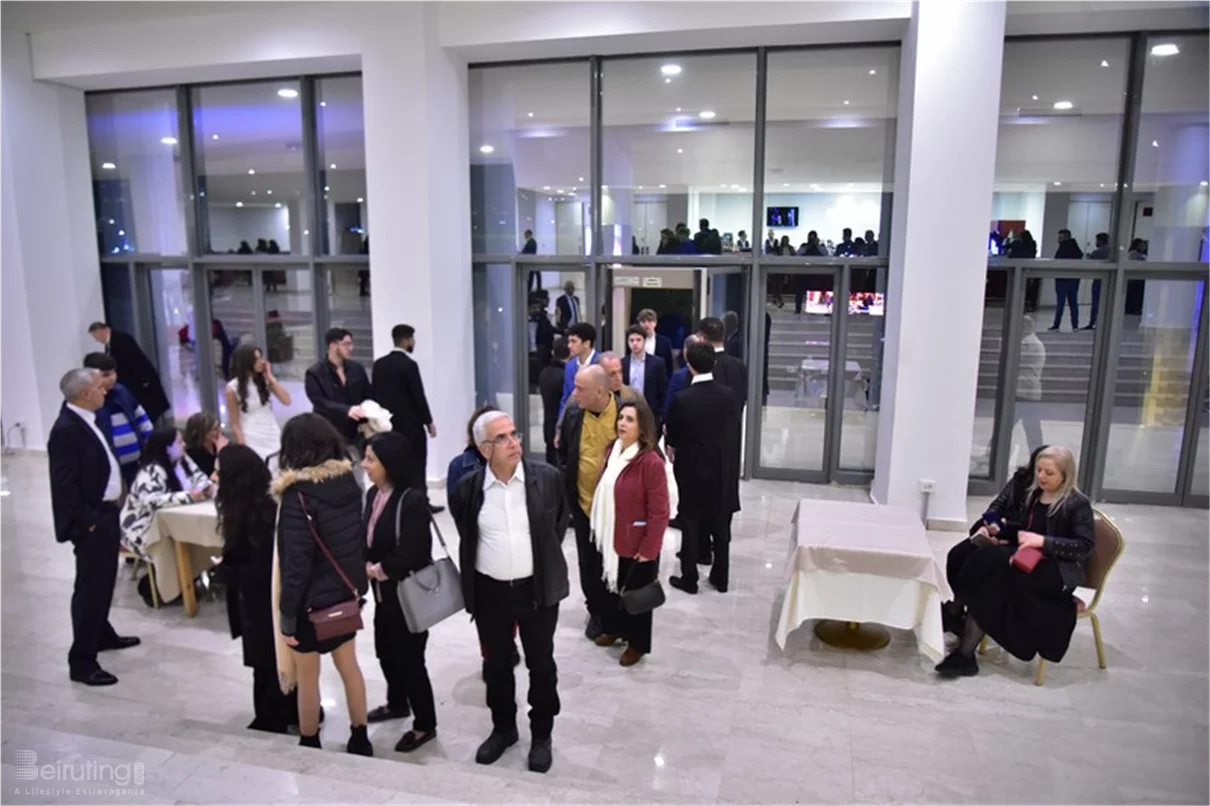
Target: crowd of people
345, 515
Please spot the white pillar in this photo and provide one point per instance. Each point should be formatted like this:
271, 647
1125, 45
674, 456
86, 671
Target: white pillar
944, 169
417, 164
51, 283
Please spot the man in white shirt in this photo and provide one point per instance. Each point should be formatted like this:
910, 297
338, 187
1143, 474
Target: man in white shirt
86, 493
513, 572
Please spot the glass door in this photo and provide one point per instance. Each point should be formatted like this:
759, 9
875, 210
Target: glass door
556, 297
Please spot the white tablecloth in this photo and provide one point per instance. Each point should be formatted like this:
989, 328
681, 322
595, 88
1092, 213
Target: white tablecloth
861, 562
194, 525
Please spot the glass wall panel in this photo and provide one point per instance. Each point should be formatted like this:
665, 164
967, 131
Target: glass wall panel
494, 327
290, 337
866, 330
529, 150
1061, 105
340, 132
830, 151
794, 416
118, 296
135, 154
677, 145
175, 333
349, 306
995, 296
555, 302
1168, 203
1151, 393
1200, 483
250, 166
233, 309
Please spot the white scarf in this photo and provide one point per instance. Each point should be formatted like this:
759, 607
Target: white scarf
604, 511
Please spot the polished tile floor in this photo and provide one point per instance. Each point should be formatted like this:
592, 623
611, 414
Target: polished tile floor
717, 714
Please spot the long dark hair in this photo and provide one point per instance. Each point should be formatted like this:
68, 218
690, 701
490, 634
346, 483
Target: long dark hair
155, 452
648, 441
391, 448
243, 367
245, 509
308, 440
198, 427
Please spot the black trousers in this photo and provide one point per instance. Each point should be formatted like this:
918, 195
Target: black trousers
96, 573
417, 461
498, 605
635, 629
401, 656
713, 530
591, 564
274, 711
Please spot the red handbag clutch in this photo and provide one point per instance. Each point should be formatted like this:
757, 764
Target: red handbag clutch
1026, 559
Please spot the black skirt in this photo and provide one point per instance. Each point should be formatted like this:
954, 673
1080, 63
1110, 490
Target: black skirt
1026, 614
309, 642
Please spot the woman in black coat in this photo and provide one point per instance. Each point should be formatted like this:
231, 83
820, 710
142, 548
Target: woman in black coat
246, 514
1027, 612
320, 500
397, 531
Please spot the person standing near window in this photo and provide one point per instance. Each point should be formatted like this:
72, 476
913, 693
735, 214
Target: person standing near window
249, 401
1067, 289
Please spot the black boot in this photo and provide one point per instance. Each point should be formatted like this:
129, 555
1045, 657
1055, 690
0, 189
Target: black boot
359, 742
309, 741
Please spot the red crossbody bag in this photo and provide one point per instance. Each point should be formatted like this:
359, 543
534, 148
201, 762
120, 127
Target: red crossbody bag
1026, 558
338, 619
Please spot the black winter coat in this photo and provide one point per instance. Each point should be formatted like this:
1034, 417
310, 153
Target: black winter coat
1068, 531
411, 549
248, 561
333, 500
546, 506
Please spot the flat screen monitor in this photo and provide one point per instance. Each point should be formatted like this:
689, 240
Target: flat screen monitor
781, 217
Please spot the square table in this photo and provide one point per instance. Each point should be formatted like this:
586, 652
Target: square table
856, 562
182, 542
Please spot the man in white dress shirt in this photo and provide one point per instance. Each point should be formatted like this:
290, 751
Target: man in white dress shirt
511, 516
86, 493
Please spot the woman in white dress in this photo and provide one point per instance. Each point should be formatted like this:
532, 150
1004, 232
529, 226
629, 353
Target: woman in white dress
249, 405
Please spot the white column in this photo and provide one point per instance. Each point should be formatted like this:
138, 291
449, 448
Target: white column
417, 164
51, 284
943, 183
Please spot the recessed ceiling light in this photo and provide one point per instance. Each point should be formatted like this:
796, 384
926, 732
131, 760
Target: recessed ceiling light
1204, 183
706, 114
581, 179
1104, 63
251, 172
671, 69
668, 81
254, 193
1035, 97
546, 187
814, 186
680, 151
529, 114
360, 200
1166, 49
873, 72
286, 92
558, 190
1063, 105
168, 141
1058, 184
785, 184
640, 187
846, 103
678, 109
1155, 143
108, 166
664, 186
326, 188
332, 167
573, 189
1102, 184
214, 137
112, 222
486, 149
121, 232
323, 103
239, 204
278, 205
269, 192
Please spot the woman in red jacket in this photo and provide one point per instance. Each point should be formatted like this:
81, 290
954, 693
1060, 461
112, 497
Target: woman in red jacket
629, 517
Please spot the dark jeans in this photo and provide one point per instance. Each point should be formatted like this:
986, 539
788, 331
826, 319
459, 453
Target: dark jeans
417, 460
96, 573
1096, 302
635, 629
716, 529
498, 606
1067, 292
591, 564
401, 656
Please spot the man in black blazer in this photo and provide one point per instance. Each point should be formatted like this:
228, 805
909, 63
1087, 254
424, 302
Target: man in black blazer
398, 389
85, 495
646, 374
135, 370
550, 385
728, 370
337, 385
654, 343
568, 310
701, 425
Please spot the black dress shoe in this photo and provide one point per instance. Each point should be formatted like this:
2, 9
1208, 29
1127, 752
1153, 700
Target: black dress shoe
385, 713
681, 585
540, 757
593, 628
494, 746
120, 642
958, 665
409, 742
705, 559
95, 677
716, 586
435, 509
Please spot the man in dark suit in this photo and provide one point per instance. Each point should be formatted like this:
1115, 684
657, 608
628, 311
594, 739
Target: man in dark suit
550, 385
337, 385
732, 373
399, 389
86, 494
646, 374
568, 310
654, 343
701, 427
678, 381
541, 336
734, 344
706, 240
135, 370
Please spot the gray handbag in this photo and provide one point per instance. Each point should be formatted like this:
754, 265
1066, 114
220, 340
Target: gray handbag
432, 594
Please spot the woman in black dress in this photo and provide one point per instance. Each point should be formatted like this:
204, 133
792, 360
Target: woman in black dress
1027, 613
320, 500
400, 542
246, 515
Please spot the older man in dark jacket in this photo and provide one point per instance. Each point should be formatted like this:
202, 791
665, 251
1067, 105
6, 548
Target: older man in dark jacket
511, 516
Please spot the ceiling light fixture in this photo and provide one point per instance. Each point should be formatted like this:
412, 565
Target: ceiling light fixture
332, 167
640, 187
486, 149
604, 187
706, 114
278, 205
323, 103
664, 186
1155, 143
1104, 63
326, 188
814, 186
214, 137
785, 184
254, 193
1063, 106
873, 72
361, 200
269, 192
680, 151
239, 204
678, 109
1204, 183
546, 187
581, 179
846, 103
1166, 49
671, 69
1058, 184
529, 114
108, 166
286, 92
168, 141
1035, 97
668, 81
251, 172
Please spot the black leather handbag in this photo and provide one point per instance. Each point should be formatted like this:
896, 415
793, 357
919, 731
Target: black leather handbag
637, 601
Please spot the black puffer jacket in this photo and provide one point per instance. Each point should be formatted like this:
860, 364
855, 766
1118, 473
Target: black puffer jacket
333, 499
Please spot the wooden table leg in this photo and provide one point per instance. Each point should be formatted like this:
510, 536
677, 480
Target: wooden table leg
184, 574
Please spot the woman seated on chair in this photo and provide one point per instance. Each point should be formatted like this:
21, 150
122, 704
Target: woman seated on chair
1027, 612
203, 440
166, 478
953, 614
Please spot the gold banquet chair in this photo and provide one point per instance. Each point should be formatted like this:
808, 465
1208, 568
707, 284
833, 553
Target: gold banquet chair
1108, 548
125, 554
